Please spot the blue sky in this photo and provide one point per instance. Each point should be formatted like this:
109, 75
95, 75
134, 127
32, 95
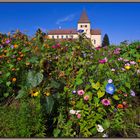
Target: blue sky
121, 21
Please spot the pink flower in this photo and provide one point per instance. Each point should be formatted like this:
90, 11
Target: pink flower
105, 102
127, 64
102, 61
80, 92
86, 98
120, 59
110, 81
98, 48
132, 62
78, 116
53, 47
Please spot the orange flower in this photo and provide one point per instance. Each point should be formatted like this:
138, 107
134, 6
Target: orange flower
120, 106
13, 69
5, 51
19, 52
14, 80
15, 46
21, 55
139, 60
62, 74
18, 58
1, 56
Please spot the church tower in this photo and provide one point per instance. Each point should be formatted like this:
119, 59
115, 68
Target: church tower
84, 24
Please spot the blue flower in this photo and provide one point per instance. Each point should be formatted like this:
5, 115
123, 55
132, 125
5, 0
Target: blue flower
110, 88
80, 31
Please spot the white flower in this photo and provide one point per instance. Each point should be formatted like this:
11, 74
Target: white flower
113, 69
72, 111
77, 112
138, 71
100, 128
110, 81
105, 136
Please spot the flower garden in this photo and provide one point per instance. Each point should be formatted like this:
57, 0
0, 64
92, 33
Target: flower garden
68, 88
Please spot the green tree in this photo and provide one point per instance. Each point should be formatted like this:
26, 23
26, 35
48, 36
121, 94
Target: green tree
105, 41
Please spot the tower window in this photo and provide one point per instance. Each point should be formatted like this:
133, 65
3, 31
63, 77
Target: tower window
94, 41
81, 26
85, 25
62, 36
57, 36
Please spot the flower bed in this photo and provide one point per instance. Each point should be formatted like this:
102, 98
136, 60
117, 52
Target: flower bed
82, 91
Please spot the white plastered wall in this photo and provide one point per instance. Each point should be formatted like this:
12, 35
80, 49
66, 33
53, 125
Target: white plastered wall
97, 39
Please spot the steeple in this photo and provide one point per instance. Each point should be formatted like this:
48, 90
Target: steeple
84, 17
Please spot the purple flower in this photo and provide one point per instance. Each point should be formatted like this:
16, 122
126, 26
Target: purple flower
74, 91
7, 41
80, 31
132, 93
12, 46
105, 102
110, 88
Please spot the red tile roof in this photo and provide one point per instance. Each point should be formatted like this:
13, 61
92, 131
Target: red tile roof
84, 18
71, 31
62, 31
95, 32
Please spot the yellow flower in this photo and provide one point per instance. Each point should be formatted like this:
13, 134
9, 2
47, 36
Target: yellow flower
47, 93
34, 93
127, 67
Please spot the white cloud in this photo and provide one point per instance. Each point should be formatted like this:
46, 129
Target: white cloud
65, 19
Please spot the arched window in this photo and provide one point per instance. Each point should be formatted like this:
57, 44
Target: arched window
62, 36
58, 36
94, 41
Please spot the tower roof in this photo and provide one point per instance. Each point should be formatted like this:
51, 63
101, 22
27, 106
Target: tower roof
84, 17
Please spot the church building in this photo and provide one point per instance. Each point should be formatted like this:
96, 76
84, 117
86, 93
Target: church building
83, 24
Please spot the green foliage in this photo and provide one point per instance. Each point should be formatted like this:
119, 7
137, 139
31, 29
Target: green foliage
105, 41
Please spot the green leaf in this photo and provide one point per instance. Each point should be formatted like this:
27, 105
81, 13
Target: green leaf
54, 84
127, 85
21, 93
106, 124
8, 83
49, 104
116, 97
79, 82
96, 100
56, 132
6, 94
34, 79
8, 74
100, 93
95, 86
